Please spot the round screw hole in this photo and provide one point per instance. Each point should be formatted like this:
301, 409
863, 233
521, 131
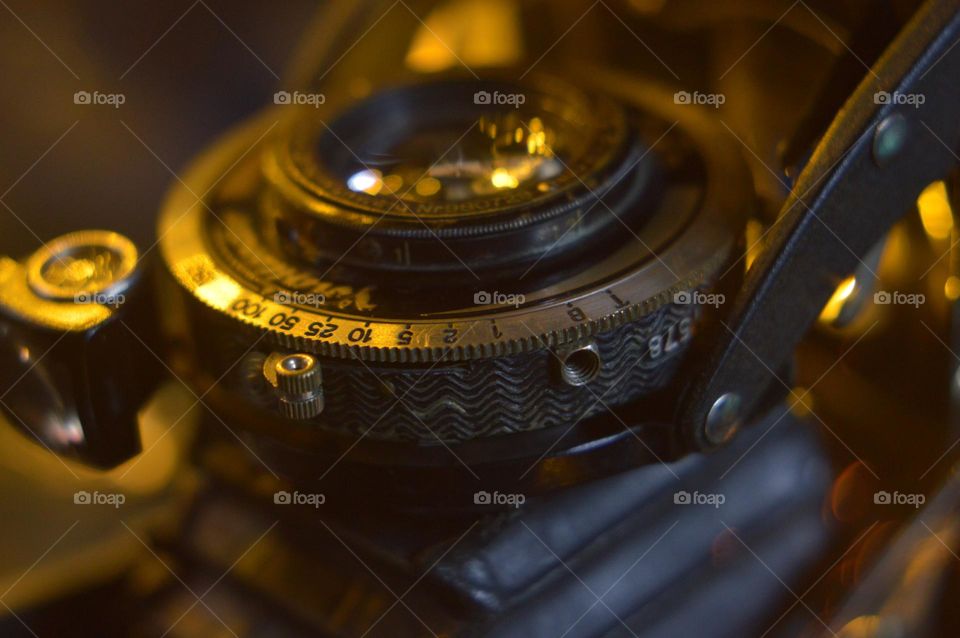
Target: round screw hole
581, 366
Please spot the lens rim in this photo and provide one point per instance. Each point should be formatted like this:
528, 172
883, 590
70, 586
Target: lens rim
293, 168
688, 252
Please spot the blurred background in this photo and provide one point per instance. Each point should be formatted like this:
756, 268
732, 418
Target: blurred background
188, 71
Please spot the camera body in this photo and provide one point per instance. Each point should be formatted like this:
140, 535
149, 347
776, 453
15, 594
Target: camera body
500, 324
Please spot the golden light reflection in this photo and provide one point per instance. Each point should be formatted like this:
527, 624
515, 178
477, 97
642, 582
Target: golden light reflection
935, 212
863, 627
927, 556
392, 183
754, 232
219, 292
537, 139
834, 306
368, 181
475, 33
428, 186
952, 288
501, 178
372, 182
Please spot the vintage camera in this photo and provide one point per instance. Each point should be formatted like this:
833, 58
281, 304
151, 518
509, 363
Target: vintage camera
535, 319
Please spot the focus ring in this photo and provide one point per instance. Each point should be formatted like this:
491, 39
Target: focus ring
477, 399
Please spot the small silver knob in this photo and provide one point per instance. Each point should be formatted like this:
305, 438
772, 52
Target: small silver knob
300, 385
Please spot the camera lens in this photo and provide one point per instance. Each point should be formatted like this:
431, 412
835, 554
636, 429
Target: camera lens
497, 254
496, 172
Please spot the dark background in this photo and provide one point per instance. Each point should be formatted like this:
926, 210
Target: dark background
203, 66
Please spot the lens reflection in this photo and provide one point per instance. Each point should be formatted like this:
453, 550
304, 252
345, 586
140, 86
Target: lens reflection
459, 147
498, 152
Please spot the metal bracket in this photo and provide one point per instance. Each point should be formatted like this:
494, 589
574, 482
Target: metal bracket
864, 175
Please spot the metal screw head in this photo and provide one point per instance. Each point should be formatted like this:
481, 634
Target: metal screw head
723, 419
889, 138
